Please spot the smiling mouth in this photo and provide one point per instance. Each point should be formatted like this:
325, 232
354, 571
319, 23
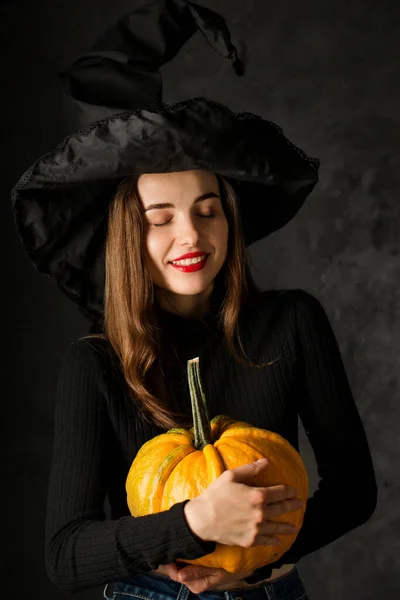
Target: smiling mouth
204, 256
188, 268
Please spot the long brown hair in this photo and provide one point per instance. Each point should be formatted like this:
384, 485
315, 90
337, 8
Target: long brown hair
130, 319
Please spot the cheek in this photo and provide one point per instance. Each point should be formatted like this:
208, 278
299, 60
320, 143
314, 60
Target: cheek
222, 232
154, 246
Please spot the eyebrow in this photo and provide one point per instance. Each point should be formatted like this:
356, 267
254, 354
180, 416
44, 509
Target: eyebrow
169, 205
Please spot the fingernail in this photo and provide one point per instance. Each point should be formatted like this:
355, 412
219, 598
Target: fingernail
262, 460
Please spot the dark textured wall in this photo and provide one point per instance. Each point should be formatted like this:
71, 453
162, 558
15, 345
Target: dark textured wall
328, 72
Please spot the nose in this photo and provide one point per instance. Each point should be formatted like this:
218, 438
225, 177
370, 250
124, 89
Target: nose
187, 233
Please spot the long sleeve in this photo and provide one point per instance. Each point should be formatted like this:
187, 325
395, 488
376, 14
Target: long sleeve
83, 548
347, 492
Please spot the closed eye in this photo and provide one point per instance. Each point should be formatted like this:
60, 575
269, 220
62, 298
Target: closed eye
166, 222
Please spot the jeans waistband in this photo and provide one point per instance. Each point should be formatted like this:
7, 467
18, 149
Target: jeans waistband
285, 586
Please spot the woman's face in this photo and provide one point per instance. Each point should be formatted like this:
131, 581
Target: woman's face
183, 214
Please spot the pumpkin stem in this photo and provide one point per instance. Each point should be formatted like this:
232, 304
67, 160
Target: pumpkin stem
201, 421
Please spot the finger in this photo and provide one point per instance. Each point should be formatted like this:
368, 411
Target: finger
277, 493
172, 569
272, 528
279, 508
244, 473
198, 586
190, 573
185, 575
263, 539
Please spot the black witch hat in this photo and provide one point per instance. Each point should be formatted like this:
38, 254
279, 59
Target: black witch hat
60, 203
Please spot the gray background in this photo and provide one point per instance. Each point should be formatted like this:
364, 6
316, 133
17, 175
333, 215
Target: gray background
328, 72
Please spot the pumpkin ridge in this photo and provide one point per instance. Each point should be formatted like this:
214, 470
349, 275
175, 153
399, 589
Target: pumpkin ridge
235, 445
163, 472
214, 461
184, 439
259, 434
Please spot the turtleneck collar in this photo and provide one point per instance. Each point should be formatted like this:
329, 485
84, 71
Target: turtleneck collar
182, 324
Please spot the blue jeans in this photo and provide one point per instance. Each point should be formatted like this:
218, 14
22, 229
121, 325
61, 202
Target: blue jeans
156, 586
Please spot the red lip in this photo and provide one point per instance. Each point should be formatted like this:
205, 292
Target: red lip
190, 255
191, 268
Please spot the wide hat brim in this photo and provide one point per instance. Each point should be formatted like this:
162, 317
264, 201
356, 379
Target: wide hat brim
60, 204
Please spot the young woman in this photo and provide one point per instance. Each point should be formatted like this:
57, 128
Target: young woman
151, 226
110, 215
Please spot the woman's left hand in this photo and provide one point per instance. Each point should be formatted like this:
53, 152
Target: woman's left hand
200, 579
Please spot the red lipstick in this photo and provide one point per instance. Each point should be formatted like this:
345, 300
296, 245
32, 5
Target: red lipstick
190, 255
191, 268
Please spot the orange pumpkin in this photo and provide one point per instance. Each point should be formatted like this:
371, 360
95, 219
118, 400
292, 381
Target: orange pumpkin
181, 463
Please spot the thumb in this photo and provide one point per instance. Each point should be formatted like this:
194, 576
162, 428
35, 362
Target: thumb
195, 572
243, 472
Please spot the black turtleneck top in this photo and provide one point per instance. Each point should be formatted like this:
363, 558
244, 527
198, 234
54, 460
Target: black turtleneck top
91, 538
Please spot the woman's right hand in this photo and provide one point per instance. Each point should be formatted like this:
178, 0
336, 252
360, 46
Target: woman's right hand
232, 512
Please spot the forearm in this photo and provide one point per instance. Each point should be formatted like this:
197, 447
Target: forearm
92, 552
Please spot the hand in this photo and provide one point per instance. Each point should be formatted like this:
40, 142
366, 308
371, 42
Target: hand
201, 578
235, 511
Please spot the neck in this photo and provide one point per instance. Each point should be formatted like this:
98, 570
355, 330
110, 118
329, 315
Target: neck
193, 306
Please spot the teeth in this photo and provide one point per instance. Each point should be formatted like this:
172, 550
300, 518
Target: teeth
189, 261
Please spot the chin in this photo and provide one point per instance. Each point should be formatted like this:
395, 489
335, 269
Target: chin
195, 286
188, 289
186, 284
